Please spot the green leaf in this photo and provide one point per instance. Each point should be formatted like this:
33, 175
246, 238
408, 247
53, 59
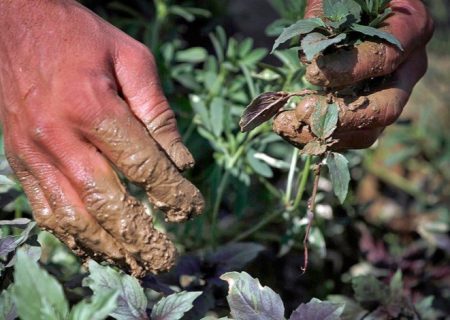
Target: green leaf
249, 300
198, 105
339, 173
369, 289
192, 55
100, 306
339, 9
373, 32
299, 28
131, 301
262, 108
10, 243
37, 295
217, 116
7, 307
318, 310
173, 307
253, 57
258, 166
380, 18
324, 120
396, 287
315, 43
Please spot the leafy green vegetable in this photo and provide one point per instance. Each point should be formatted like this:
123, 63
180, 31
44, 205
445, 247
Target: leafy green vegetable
131, 300
37, 295
174, 306
249, 300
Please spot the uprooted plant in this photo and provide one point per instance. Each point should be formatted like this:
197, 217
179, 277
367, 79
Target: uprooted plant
344, 24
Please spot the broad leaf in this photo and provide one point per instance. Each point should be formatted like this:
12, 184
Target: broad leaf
300, 27
248, 300
100, 306
37, 294
7, 307
373, 32
339, 173
324, 120
173, 307
339, 9
369, 289
315, 43
314, 148
318, 310
262, 108
131, 300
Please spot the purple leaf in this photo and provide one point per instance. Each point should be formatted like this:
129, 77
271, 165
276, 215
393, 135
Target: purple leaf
262, 108
318, 310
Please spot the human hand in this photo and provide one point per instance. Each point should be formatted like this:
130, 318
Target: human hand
365, 115
78, 97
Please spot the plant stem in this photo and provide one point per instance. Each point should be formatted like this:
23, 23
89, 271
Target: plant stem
310, 215
266, 220
215, 213
289, 184
302, 184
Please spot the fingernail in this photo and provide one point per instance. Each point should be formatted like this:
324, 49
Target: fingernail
181, 156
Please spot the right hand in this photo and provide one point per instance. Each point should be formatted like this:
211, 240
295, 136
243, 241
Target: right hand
78, 97
363, 118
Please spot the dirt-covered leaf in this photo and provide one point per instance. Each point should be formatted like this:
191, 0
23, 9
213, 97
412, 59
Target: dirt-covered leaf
373, 32
249, 300
369, 289
314, 148
131, 300
299, 28
260, 167
339, 174
339, 9
98, 308
262, 108
37, 295
234, 256
324, 120
7, 308
314, 43
173, 307
318, 310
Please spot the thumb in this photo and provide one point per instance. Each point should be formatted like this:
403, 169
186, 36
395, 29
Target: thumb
136, 73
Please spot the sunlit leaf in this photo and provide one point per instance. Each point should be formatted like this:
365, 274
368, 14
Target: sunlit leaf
373, 32
318, 310
98, 308
174, 306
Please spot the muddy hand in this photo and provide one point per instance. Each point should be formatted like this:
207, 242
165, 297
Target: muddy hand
77, 98
362, 119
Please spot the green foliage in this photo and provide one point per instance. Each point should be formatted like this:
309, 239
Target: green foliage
340, 176
341, 20
174, 306
98, 308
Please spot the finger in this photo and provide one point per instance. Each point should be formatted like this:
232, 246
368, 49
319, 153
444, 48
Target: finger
299, 134
410, 23
125, 142
58, 209
137, 75
379, 108
105, 198
314, 8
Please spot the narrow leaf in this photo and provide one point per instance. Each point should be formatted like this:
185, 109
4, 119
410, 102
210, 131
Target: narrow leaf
324, 120
100, 306
339, 173
300, 27
373, 32
257, 165
173, 307
249, 300
262, 108
131, 300
217, 116
192, 55
315, 42
318, 310
37, 294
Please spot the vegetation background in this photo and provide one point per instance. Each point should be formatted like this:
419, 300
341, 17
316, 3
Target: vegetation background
213, 58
